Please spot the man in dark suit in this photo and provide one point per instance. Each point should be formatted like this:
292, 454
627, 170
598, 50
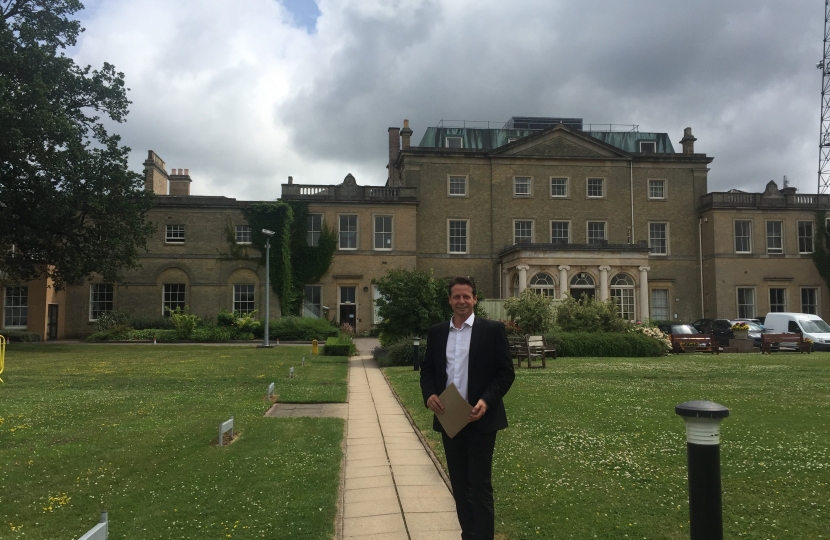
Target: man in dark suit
474, 354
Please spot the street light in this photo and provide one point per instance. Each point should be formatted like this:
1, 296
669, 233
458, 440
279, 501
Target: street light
268, 234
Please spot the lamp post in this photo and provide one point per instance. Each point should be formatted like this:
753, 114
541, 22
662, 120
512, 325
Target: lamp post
416, 353
268, 234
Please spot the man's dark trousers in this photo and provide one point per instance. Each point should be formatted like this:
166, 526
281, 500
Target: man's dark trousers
470, 461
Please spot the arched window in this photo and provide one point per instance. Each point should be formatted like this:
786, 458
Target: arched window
582, 284
622, 289
543, 284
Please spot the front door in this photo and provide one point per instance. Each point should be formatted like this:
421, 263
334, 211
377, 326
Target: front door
52, 322
348, 307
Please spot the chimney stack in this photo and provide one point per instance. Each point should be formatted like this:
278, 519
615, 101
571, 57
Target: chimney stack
406, 133
155, 177
394, 150
688, 141
290, 180
180, 182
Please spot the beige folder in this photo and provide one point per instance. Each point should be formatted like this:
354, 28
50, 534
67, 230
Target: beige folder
456, 411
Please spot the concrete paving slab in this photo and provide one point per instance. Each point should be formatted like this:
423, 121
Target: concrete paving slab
387, 526
370, 494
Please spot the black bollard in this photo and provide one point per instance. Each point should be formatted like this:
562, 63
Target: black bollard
416, 353
702, 419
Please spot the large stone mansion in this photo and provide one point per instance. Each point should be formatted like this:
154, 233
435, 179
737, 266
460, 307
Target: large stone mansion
552, 204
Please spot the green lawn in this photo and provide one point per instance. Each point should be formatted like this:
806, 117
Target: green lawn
594, 449
132, 429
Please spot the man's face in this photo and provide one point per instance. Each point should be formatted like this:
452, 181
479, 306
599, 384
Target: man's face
462, 300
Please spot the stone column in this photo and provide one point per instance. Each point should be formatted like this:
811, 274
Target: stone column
505, 292
522, 277
644, 292
563, 280
603, 282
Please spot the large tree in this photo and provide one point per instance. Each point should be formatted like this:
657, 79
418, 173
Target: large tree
69, 205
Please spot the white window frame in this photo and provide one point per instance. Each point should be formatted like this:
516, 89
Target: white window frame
588, 188
735, 236
312, 237
588, 231
754, 305
93, 301
243, 234
237, 300
547, 290
174, 234
625, 297
812, 237
341, 232
529, 180
816, 296
466, 236
566, 222
447, 142
783, 305
567, 187
652, 189
9, 310
450, 178
384, 233
532, 232
654, 307
641, 143
165, 302
665, 251
774, 250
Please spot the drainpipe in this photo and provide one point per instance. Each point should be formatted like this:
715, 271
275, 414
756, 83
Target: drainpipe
631, 185
700, 260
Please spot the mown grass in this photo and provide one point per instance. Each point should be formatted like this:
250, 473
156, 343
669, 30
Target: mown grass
132, 429
595, 450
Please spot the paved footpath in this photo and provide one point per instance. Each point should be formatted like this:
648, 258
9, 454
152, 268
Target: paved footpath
392, 489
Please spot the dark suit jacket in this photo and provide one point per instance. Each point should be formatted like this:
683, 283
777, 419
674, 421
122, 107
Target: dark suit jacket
490, 370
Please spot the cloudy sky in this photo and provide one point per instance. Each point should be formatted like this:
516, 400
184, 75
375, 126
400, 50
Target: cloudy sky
246, 93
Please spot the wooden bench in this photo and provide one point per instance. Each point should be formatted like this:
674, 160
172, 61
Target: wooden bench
518, 348
768, 340
681, 343
539, 349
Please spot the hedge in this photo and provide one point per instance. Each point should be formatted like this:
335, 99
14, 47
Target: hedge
336, 347
20, 336
299, 329
605, 344
398, 353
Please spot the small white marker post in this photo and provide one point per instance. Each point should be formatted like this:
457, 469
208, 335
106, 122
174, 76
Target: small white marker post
303, 365
100, 531
270, 391
227, 425
291, 373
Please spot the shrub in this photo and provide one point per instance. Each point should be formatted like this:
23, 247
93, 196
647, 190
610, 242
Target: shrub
299, 329
225, 318
655, 333
533, 311
145, 323
211, 334
606, 344
183, 321
20, 336
589, 315
111, 319
116, 333
336, 347
398, 353
149, 334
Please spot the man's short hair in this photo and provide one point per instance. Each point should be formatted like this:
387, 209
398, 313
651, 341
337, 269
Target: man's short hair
461, 280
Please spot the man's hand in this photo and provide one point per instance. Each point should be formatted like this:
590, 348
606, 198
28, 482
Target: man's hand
435, 405
478, 411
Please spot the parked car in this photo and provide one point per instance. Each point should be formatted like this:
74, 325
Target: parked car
758, 321
700, 324
809, 326
678, 328
721, 329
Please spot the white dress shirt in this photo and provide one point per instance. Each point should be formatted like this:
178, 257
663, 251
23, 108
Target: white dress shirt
458, 355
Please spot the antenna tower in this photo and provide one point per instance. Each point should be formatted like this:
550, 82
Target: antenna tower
824, 129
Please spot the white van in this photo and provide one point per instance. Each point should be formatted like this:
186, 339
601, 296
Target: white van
810, 326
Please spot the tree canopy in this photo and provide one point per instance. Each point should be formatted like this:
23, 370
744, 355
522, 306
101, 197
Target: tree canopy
69, 205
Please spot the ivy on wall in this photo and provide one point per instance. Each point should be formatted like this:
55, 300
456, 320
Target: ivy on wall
821, 249
293, 262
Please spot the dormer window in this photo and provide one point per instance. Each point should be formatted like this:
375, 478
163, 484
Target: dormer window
454, 142
648, 147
